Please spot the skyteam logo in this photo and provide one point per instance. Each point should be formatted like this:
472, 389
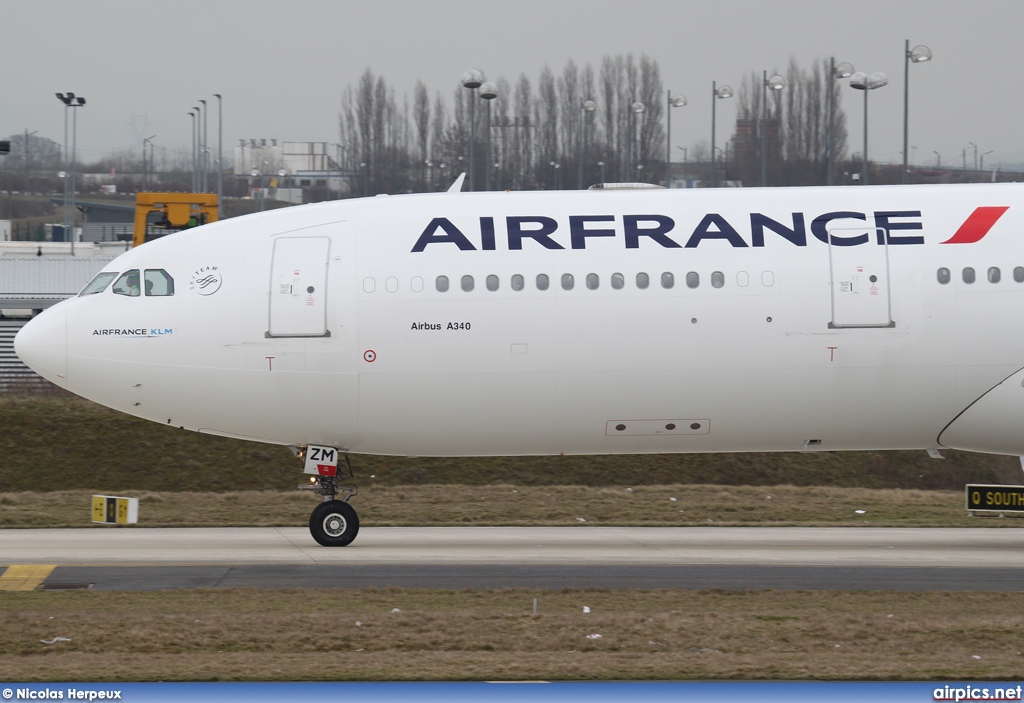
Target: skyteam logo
206, 281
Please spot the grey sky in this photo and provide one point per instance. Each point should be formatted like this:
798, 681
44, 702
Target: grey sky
281, 66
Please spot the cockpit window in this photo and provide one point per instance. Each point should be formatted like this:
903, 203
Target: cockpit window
159, 282
128, 283
100, 283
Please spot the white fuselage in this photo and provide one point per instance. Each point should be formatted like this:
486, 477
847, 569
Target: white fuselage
773, 320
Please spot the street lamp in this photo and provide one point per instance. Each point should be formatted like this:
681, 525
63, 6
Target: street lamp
488, 91
843, 70
775, 83
918, 54
192, 114
972, 144
862, 81
637, 109
555, 174
70, 101
203, 157
601, 166
471, 80
982, 167
145, 173
587, 106
673, 101
220, 151
716, 95
938, 159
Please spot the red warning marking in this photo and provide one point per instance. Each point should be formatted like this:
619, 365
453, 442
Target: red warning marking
977, 225
327, 470
370, 355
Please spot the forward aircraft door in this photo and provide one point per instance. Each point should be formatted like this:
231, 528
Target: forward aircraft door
859, 277
298, 287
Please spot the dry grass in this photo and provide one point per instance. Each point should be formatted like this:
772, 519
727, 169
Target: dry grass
444, 635
431, 505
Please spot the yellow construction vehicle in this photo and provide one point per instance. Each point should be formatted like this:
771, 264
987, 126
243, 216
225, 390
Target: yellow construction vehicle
179, 211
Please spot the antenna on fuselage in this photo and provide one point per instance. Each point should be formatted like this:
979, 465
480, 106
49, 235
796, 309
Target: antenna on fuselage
457, 185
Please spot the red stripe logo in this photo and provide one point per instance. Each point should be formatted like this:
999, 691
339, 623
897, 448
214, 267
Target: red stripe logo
977, 225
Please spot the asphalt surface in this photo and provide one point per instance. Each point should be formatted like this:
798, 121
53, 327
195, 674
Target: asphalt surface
905, 559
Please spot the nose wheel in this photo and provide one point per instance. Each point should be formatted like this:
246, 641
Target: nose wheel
334, 523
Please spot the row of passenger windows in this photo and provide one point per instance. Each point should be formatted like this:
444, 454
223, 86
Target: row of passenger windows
968, 275
157, 283
567, 281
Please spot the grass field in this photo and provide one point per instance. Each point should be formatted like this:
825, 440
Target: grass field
485, 635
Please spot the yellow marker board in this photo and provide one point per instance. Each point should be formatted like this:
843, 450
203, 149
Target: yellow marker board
114, 510
1004, 499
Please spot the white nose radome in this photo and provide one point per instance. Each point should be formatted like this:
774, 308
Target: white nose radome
42, 345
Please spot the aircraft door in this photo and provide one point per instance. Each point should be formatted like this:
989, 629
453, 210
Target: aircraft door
298, 287
859, 276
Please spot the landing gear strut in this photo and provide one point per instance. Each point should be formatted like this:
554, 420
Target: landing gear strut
333, 523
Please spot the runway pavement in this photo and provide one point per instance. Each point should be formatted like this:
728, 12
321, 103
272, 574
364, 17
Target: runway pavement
498, 557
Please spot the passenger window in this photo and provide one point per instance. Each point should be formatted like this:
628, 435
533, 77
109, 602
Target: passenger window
517, 282
642, 281
441, 284
767, 279
128, 283
742, 279
994, 275
391, 284
467, 283
593, 281
618, 280
943, 275
968, 275
416, 284
369, 285
668, 280
100, 283
717, 279
542, 281
692, 279
492, 283
159, 282
1018, 274
567, 281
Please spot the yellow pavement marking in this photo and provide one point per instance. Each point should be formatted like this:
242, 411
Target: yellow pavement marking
25, 577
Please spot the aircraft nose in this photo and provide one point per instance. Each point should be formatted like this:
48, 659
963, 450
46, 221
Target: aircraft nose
42, 345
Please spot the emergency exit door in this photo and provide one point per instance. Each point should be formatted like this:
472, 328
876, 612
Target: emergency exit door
298, 287
859, 277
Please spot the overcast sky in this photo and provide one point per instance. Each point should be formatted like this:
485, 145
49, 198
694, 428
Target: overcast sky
281, 66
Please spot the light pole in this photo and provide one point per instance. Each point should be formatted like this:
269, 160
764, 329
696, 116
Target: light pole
862, 81
204, 165
220, 151
72, 101
843, 70
555, 174
938, 159
145, 173
601, 166
918, 54
488, 91
975, 146
982, 167
587, 106
192, 114
716, 95
637, 108
366, 179
775, 83
673, 101
471, 80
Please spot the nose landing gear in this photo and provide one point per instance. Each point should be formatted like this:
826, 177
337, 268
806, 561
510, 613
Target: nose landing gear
333, 523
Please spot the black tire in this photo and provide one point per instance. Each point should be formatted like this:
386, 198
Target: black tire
334, 524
